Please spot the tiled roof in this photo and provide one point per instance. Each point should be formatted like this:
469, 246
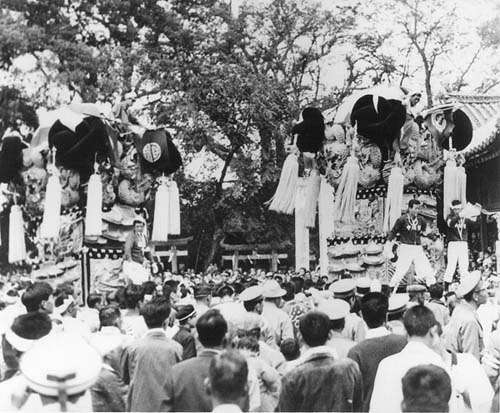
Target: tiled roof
484, 113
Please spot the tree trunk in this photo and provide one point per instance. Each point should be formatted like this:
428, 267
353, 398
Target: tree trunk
217, 237
428, 88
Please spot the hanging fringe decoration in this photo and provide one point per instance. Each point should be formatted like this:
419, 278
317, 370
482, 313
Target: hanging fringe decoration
326, 213
461, 184
394, 201
450, 181
52, 205
312, 195
174, 224
284, 198
17, 246
345, 197
93, 217
162, 212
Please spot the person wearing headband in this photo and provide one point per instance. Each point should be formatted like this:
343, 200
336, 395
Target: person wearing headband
457, 235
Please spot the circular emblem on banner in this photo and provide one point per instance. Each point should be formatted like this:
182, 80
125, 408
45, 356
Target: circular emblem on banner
151, 152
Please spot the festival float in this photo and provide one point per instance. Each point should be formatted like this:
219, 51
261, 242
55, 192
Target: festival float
70, 196
378, 152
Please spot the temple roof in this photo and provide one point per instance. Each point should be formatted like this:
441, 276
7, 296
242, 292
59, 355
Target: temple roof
484, 113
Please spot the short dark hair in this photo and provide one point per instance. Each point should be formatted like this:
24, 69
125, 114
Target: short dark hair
290, 349
249, 343
314, 327
35, 294
426, 388
155, 312
65, 288
337, 325
93, 300
290, 291
32, 326
228, 375
413, 202
211, 328
133, 294
250, 305
149, 287
436, 291
418, 320
109, 315
374, 308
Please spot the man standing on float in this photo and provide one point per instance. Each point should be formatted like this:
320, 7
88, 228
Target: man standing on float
410, 227
458, 249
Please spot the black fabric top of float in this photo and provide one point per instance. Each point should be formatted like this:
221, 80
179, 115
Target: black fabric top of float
462, 132
158, 152
311, 131
11, 158
77, 150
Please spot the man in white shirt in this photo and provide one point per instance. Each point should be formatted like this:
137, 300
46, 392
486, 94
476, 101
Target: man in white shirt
279, 321
420, 324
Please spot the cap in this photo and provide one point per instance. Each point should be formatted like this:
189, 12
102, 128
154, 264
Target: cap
202, 290
61, 360
468, 283
271, 289
335, 309
363, 285
225, 289
185, 312
251, 293
416, 288
343, 288
398, 303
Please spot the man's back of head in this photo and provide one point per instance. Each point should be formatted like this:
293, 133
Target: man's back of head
228, 379
374, 308
155, 312
315, 328
419, 320
426, 388
436, 291
212, 329
36, 297
110, 316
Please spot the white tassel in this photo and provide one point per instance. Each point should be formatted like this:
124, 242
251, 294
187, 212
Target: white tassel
345, 197
162, 212
284, 198
326, 214
449, 185
394, 200
312, 195
461, 185
174, 225
17, 246
52, 206
93, 217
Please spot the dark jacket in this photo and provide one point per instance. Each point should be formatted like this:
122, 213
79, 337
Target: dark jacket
144, 366
408, 233
186, 340
321, 383
457, 227
185, 385
368, 354
108, 393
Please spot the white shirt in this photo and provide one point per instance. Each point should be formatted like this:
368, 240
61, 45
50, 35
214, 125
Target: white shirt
377, 332
387, 389
226, 408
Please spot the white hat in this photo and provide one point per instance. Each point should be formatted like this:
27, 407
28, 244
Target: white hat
397, 303
251, 293
60, 360
271, 289
65, 305
468, 283
335, 309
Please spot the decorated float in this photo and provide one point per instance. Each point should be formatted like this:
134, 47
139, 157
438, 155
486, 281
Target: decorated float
70, 196
378, 152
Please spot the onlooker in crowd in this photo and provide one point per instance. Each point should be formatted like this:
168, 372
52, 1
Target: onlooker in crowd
202, 297
185, 316
145, 363
422, 329
464, 333
226, 384
398, 304
368, 353
345, 289
279, 321
436, 304
417, 293
39, 297
133, 323
337, 311
184, 389
253, 302
320, 382
450, 299
90, 314
109, 392
290, 349
426, 388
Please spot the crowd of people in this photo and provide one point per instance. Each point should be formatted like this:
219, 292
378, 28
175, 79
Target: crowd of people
252, 342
